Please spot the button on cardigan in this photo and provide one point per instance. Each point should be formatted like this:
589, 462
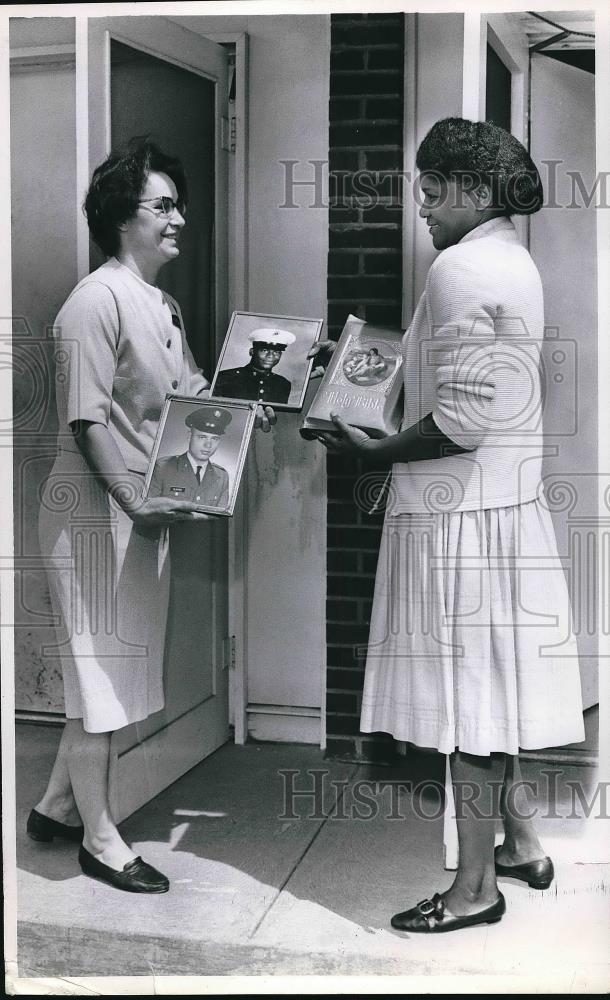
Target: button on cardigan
122, 349
471, 358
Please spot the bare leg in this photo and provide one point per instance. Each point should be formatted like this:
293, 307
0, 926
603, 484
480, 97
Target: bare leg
521, 843
86, 757
476, 800
58, 801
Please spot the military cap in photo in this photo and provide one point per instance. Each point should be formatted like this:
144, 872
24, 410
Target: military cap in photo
211, 419
271, 335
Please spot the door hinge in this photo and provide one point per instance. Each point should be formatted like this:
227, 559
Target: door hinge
228, 133
230, 653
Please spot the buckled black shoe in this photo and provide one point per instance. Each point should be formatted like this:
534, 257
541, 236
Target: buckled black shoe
538, 874
43, 829
136, 876
432, 916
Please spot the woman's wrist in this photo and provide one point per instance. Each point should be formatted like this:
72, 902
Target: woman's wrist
128, 498
370, 449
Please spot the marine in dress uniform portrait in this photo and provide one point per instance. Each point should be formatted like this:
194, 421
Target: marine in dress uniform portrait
193, 476
257, 380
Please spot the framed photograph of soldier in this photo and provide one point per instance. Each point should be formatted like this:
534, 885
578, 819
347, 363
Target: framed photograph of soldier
264, 359
199, 452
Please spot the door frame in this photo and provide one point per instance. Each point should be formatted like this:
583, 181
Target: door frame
238, 300
92, 148
510, 43
509, 40
170, 751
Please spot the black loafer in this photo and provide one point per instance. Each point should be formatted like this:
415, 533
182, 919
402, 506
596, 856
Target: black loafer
136, 876
431, 916
537, 874
43, 829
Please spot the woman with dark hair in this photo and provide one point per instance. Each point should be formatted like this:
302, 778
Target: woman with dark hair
121, 349
468, 653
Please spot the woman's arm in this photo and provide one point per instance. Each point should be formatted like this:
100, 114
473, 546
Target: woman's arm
461, 313
418, 443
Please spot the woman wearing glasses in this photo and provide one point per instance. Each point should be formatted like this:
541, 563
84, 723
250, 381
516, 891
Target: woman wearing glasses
121, 348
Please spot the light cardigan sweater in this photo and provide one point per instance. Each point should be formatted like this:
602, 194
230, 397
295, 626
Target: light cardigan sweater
471, 358
123, 348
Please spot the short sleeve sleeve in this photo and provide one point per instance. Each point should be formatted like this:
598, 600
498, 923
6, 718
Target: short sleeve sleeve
87, 330
461, 313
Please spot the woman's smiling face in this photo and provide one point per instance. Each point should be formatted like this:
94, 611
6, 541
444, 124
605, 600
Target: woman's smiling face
449, 209
151, 234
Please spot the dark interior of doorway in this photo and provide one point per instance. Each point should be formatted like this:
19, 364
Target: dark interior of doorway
498, 106
176, 108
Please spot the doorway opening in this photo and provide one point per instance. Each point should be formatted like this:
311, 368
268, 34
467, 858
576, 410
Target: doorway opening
150, 96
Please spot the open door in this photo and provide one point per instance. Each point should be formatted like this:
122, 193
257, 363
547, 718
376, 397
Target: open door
147, 75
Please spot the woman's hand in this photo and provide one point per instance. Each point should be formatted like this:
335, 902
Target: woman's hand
346, 440
322, 351
160, 512
265, 418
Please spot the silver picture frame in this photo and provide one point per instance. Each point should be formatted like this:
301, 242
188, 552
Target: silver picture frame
172, 442
235, 373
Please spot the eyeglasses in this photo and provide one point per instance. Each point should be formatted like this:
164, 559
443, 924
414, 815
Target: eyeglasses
165, 205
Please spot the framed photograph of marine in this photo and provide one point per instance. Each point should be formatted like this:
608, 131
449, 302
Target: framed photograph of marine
264, 359
199, 452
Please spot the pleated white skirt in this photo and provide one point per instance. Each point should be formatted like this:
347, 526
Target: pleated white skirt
471, 642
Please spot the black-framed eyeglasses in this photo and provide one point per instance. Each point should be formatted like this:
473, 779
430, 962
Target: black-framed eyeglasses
164, 205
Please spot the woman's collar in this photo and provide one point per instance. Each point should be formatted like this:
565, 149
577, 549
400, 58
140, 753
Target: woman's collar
499, 224
115, 261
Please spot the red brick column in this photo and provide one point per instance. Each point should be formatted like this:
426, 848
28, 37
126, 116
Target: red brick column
364, 278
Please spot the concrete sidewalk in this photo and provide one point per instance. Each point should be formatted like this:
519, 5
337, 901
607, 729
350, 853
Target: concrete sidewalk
256, 891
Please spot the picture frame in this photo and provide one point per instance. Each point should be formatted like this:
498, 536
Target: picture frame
281, 377
184, 447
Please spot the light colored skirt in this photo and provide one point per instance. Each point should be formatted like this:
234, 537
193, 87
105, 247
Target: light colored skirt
471, 641
109, 589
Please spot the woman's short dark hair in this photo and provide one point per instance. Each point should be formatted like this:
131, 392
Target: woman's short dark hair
117, 185
481, 152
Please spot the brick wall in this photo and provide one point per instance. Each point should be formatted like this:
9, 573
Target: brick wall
364, 278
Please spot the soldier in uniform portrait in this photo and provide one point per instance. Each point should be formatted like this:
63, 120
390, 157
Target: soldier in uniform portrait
257, 380
192, 476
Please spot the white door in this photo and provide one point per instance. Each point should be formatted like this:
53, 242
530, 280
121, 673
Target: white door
146, 75
563, 244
